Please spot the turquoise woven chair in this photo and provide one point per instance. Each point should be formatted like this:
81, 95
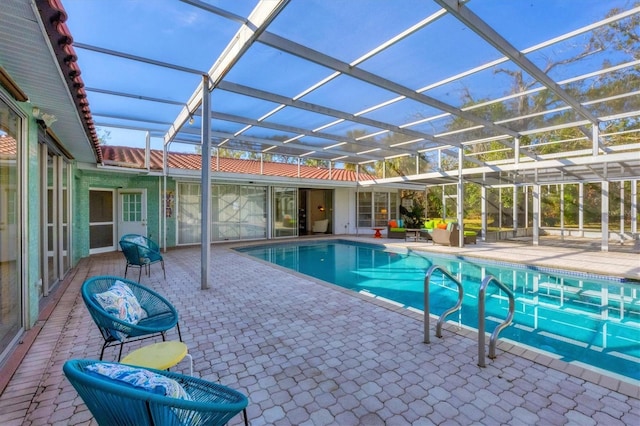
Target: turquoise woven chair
161, 315
140, 252
117, 403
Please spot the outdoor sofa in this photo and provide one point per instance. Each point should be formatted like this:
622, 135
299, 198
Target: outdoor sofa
448, 234
396, 229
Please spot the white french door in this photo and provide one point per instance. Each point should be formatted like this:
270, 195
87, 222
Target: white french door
132, 212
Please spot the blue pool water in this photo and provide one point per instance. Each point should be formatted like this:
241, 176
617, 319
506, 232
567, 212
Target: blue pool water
581, 318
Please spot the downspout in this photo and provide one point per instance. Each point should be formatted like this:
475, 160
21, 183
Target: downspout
165, 155
147, 150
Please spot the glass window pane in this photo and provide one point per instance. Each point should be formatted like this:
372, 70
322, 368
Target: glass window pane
364, 209
253, 215
285, 212
381, 208
10, 284
188, 218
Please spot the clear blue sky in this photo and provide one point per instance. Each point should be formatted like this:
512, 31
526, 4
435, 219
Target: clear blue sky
176, 33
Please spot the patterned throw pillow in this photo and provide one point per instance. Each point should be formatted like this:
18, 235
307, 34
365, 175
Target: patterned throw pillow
140, 240
141, 379
120, 302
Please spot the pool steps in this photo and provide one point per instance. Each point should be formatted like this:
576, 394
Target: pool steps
446, 313
481, 318
481, 311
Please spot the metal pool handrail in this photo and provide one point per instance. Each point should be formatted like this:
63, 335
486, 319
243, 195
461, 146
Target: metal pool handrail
481, 318
427, 278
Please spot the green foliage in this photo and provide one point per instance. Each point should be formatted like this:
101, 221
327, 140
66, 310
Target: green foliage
414, 216
103, 135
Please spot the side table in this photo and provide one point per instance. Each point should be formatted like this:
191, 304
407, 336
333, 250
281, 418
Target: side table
161, 356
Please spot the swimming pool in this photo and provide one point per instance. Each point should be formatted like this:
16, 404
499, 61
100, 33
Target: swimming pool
580, 318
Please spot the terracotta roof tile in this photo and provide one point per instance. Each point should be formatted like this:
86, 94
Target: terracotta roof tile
8, 147
134, 158
53, 17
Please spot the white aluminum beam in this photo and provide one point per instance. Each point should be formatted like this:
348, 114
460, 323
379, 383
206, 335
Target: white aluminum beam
275, 143
259, 19
137, 58
216, 10
300, 131
491, 36
555, 163
307, 106
309, 54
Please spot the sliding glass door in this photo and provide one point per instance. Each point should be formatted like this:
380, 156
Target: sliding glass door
284, 212
11, 300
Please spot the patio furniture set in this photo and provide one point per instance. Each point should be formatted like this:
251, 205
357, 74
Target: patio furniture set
439, 231
138, 389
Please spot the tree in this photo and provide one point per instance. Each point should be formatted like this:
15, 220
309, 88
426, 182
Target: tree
103, 135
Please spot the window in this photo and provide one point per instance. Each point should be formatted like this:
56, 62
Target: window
237, 212
11, 303
188, 217
285, 212
375, 209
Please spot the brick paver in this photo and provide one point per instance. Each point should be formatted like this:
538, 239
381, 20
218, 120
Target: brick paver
307, 353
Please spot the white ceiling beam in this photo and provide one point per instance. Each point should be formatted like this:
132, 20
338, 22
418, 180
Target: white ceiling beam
216, 10
556, 163
132, 96
306, 53
491, 36
137, 58
299, 131
309, 54
259, 19
275, 143
272, 97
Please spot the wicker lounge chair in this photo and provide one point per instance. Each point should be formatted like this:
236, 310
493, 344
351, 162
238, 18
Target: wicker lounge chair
140, 252
116, 402
451, 235
159, 315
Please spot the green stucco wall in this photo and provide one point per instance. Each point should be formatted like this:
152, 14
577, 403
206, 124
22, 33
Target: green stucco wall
89, 179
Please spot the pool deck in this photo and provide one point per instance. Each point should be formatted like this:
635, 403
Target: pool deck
309, 353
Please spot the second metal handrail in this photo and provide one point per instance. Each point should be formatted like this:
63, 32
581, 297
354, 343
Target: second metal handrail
481, 318
427, 278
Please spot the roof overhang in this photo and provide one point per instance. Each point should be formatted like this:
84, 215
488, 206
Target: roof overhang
31, 42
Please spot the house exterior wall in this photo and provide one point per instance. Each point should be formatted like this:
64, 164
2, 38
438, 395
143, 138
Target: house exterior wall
171, 224
343, 208
346, 209
109, 179
343, 217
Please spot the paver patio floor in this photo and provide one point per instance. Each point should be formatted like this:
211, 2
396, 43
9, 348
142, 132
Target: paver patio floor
307, 353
